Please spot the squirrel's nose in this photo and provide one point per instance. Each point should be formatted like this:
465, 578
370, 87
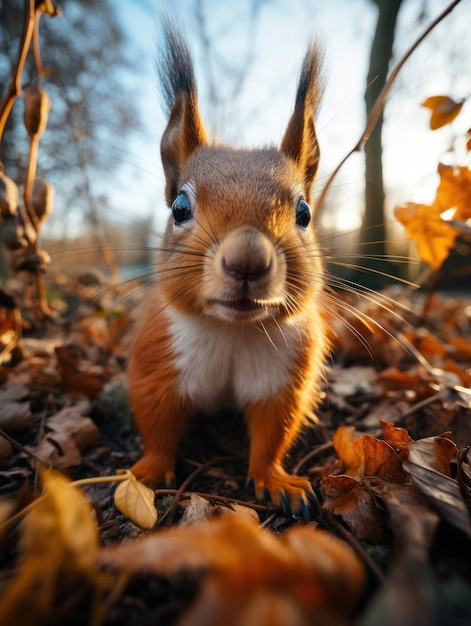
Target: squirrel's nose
247, 255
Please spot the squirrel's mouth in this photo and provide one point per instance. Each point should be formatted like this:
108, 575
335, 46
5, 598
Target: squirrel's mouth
244, 308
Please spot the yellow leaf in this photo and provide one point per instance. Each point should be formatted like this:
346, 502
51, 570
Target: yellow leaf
136, 501
59, 540
435, 238
444, 110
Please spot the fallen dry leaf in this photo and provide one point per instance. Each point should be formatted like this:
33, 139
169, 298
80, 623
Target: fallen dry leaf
409, 597
429, 468
58, 451
433, 452
6, 451
397, 438
248, 571
364, 455
15, 416
464, 474
76, 378
136, 501
356, 504
199, 509
59, 541
71, 422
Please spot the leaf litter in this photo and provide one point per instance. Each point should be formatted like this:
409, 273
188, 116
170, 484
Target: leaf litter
389, 460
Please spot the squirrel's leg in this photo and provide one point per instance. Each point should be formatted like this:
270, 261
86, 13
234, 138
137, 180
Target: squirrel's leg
161, 416
273, 425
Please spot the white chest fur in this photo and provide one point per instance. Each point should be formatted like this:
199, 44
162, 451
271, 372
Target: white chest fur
220, 363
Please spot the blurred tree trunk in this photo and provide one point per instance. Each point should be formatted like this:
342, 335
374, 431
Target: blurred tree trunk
373, 234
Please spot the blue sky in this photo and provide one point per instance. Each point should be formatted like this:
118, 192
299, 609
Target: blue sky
258, 114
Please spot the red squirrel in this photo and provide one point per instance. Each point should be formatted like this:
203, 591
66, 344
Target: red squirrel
235, 317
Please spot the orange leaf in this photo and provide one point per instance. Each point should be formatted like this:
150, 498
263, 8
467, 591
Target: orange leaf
364, 455
454, 192
395, 378
398, 438
444, 110
244, 566
435, 238
343, 440
378, 459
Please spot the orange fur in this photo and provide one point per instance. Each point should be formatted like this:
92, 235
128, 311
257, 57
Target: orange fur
234, 316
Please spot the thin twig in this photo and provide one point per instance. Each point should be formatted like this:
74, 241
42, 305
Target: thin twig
185, 485
37, 48
14, 88
379, 105
356, 545
225, 500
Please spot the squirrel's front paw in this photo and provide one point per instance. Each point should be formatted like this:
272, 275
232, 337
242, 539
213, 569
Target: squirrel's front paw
292, 493
152, 469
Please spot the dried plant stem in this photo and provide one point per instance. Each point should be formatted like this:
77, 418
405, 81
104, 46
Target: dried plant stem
380, 103
185, 485
14, 88
29, 181
37, 48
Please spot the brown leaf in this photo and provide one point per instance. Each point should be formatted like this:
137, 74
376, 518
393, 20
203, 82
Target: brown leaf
15, 416
408, 598
444, 110
70, 421
74, 379
199, 509
58, 451
365, 455
434, 453
429, 469
136, 501
13, 393
356, 505
464, 474
6, 451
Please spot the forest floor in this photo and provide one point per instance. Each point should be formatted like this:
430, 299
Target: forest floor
388, 458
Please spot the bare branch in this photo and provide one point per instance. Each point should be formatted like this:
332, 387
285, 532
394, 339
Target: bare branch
380, 103
14, 88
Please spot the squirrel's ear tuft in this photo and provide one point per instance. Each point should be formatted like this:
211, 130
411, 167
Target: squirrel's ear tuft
185, 131
300, 140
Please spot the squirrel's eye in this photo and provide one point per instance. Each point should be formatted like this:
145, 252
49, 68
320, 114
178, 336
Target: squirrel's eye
181, 209
303, 214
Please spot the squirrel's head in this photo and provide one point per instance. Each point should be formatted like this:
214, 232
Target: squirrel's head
240, 244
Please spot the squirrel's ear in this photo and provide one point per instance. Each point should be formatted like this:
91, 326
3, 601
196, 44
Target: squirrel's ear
300, 139
185, 130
